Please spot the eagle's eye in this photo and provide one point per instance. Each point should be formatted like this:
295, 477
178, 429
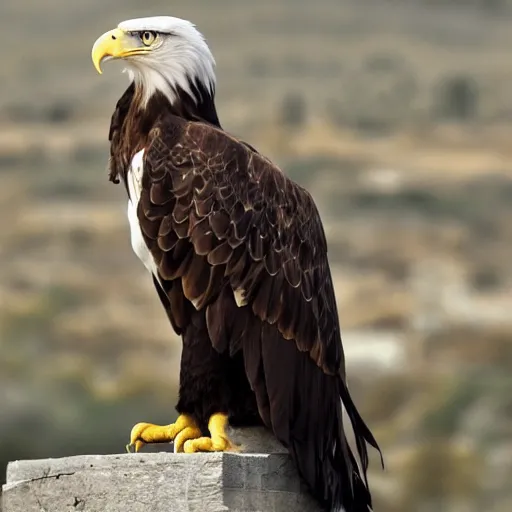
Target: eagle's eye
147, 37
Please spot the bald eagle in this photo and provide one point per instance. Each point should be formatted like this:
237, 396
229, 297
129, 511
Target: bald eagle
238, 257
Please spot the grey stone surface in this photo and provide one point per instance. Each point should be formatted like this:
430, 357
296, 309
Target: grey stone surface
159, 482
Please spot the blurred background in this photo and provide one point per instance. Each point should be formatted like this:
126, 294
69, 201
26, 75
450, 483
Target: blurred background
395, 114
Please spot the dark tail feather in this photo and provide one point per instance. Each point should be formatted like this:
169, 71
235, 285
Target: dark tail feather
359, 499
354, 494
321, 450
304, 406
362, 433
337, 481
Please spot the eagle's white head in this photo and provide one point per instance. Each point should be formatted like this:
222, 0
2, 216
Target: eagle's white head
162, 53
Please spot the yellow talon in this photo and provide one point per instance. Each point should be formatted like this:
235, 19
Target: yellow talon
184, 436
219, 440
146, 433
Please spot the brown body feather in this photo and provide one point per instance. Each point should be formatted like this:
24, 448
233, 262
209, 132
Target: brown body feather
242, 258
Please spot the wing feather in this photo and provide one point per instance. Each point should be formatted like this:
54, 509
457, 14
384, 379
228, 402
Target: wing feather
233, 208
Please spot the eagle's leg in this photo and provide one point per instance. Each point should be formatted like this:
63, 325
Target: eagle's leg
183, 429
218, 440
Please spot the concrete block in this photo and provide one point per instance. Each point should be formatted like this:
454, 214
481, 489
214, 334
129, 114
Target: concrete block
160, 482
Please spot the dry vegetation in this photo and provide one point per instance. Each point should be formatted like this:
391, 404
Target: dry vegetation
394, 114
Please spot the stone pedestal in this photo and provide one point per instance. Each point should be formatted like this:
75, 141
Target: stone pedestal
162, 482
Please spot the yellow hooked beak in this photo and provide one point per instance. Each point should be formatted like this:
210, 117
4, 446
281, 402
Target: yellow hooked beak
116, 44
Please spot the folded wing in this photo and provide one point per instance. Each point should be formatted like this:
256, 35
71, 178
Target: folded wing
233, 235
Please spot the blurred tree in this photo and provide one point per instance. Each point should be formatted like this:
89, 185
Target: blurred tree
293, 110
59, 112
457, 98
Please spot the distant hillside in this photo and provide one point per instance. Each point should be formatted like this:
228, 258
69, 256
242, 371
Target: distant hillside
343, 57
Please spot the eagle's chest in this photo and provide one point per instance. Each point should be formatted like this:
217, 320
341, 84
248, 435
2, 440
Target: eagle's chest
134, 179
